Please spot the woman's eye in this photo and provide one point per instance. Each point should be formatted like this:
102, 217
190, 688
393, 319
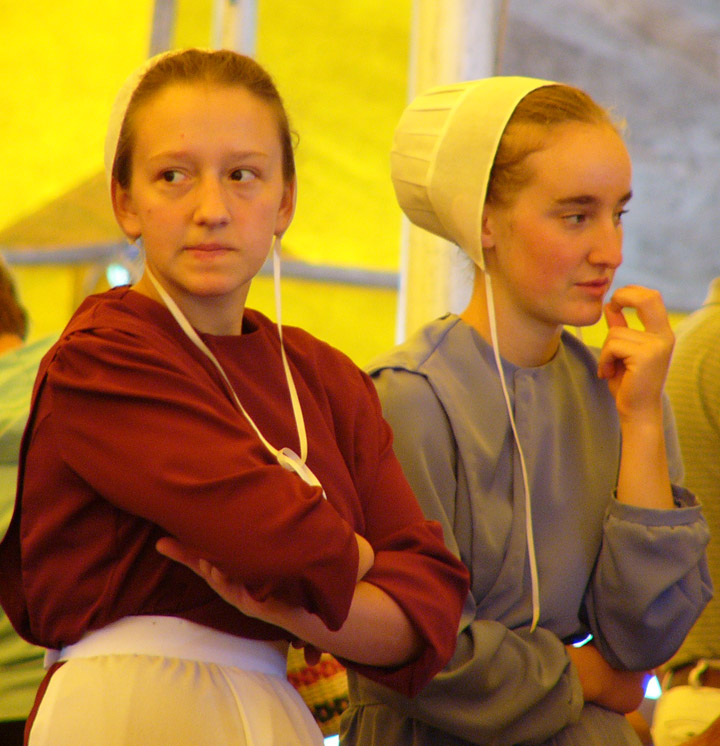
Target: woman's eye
171, 176
619, 216
575, 219
242, 174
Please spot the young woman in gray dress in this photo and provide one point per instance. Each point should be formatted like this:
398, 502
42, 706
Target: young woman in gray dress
549, 465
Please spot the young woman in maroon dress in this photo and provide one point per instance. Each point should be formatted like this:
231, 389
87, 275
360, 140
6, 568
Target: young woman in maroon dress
169, 409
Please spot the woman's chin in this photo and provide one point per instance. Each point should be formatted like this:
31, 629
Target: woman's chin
585, 316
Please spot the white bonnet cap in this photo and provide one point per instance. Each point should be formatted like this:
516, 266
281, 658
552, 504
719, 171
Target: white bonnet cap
443, 150
120, 106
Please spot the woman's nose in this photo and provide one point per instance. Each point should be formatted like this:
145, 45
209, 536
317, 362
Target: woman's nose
211, 207
607, 245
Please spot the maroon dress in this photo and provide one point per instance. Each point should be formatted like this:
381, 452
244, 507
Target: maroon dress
133, 435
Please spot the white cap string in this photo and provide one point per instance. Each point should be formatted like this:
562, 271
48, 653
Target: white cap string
286, 457
442, 156
534, 580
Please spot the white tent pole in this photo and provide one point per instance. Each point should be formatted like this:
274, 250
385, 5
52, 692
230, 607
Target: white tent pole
452, 40
235, 25
163, 26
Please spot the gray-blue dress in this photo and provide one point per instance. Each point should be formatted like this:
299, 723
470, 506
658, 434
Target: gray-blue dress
636, 578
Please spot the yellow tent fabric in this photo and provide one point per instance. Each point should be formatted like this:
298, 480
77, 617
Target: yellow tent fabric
342, 69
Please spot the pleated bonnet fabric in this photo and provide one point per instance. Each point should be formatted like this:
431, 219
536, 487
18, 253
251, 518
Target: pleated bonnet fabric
443, 151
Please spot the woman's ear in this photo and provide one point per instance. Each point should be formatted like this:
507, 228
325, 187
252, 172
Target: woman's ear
287, 207
124, 210
488, 227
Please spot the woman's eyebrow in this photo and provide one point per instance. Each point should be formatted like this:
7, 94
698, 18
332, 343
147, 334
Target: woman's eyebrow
589, 199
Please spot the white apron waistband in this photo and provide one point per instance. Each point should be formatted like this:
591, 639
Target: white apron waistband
171, 637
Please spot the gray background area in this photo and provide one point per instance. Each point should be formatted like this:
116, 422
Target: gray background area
656, 63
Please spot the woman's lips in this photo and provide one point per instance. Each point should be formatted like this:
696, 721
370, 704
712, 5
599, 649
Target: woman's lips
208, 249
595, 287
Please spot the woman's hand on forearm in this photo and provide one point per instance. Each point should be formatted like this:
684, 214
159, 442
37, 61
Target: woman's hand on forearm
620, 691
376, 632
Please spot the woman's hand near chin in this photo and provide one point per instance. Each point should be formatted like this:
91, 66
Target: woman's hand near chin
635, 362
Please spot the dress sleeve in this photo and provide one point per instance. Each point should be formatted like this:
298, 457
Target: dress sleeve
510, 685
412, 564
160, 442
651, 580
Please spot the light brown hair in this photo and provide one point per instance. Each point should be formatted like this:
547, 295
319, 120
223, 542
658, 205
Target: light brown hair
533, 119
220, 67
